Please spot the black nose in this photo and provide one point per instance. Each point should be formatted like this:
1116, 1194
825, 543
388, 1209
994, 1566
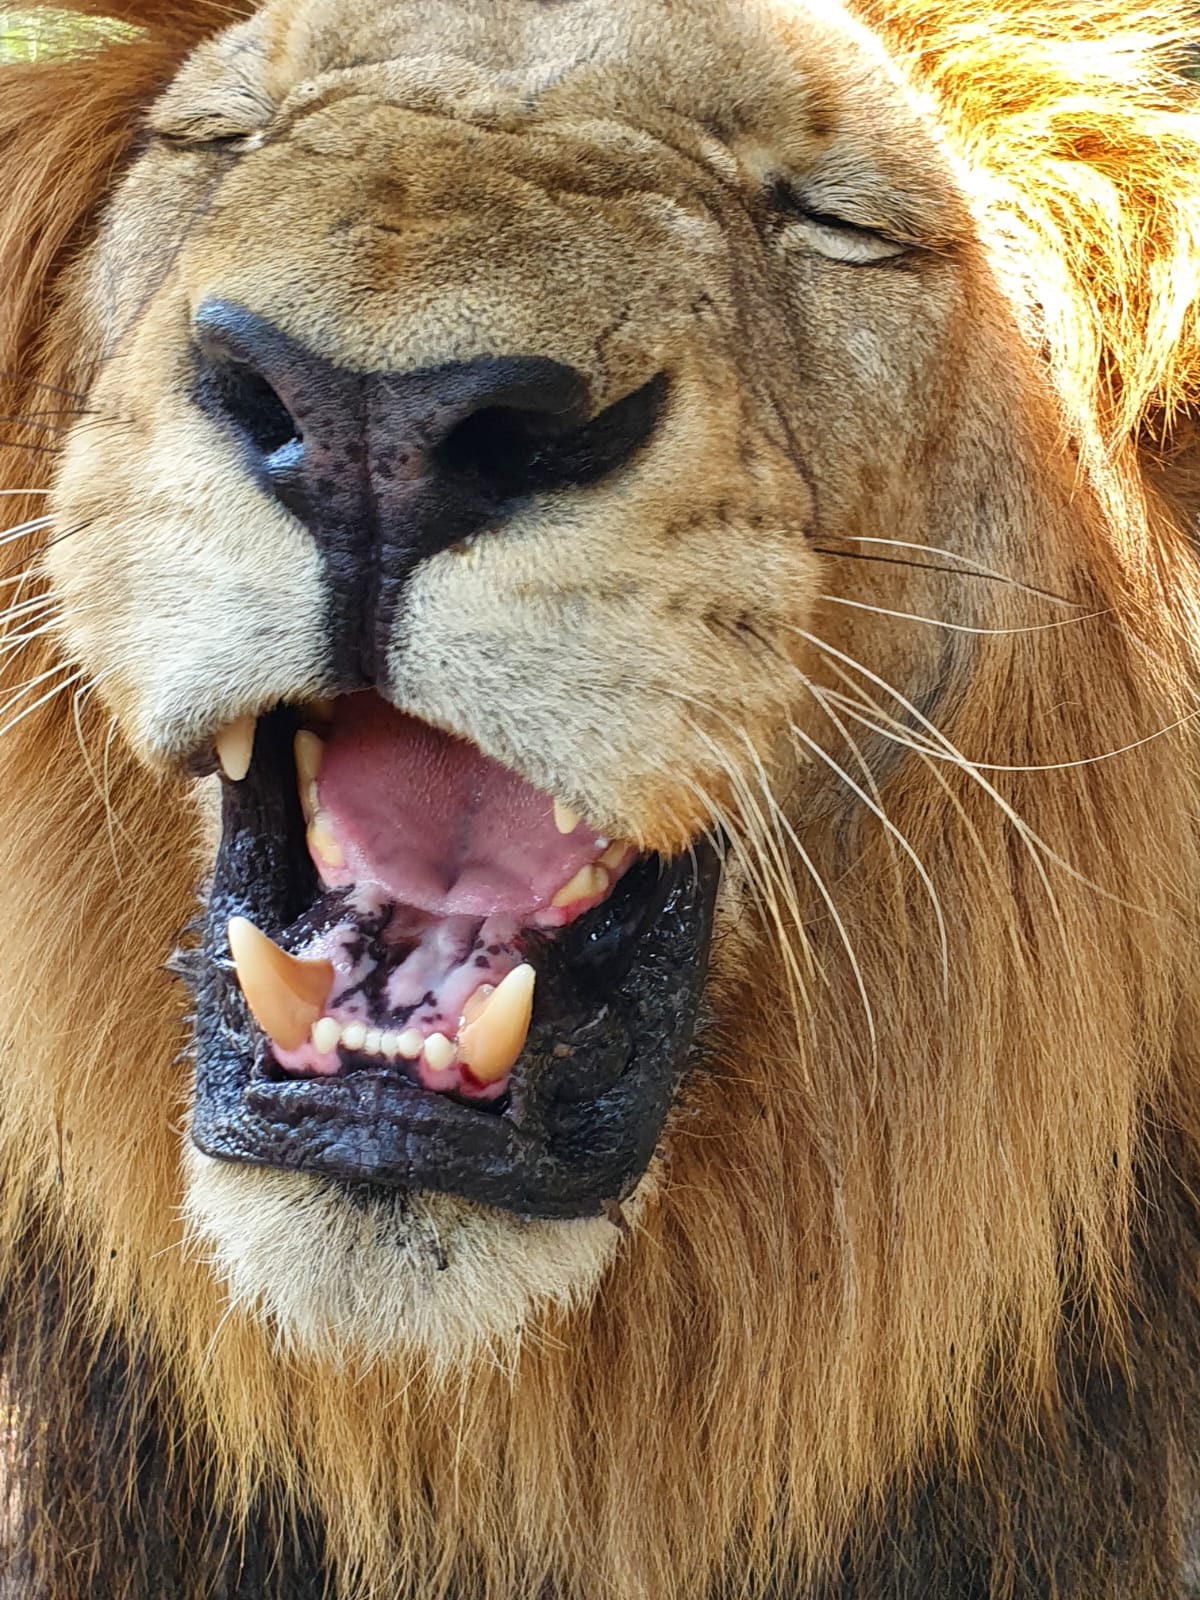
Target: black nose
386, 468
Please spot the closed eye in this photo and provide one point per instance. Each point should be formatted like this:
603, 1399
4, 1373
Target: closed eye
835, 237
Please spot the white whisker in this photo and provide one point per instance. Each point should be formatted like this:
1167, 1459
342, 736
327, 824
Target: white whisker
959, 627
57, 689
1029, 839
23, 529
969, 562
903, 842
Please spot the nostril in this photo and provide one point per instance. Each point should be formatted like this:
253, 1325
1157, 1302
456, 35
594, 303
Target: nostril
514, 451
501, 445
249, 401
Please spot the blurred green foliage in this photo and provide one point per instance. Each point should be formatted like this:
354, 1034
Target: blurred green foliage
37, 33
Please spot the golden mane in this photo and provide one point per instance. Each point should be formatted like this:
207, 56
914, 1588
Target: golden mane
964, 1227
1076, 138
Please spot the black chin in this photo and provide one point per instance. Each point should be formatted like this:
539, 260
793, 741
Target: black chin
615, 1009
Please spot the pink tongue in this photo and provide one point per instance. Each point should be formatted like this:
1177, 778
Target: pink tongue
433, 823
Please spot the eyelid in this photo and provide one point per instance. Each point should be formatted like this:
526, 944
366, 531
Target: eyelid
789, 203
830, 235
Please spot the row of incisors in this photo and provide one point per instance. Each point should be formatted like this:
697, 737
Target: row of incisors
285, 994
287, 998
495, 1025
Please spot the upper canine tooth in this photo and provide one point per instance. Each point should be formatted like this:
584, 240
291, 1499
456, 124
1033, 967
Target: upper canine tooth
615, 854
308, 750
319, 710
235, 747
587, 883
323, 844
285, 995
490, 1044
565, 820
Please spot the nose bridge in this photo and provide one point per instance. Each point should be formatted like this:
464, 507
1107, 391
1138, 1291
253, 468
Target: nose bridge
386, 468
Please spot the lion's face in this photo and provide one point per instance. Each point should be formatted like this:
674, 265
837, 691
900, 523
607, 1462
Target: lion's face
477, 389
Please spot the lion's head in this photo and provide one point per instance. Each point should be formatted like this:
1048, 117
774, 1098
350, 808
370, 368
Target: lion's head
637, 554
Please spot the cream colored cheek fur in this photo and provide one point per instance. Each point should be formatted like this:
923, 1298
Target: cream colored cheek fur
420, 1274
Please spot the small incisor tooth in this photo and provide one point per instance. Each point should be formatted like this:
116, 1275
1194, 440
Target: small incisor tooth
235, 748
490, 1044
587, 883
285, 995
565, 820
326, 1035
439, 1051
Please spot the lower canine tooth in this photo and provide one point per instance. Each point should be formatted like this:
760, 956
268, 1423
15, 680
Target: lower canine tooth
587, 883
439, 1051
285, 995
235, 748
490, 1044
326, 1035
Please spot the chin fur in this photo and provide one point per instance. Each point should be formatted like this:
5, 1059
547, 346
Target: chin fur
336, 1274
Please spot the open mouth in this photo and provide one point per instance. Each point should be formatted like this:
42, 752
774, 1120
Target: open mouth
420, 972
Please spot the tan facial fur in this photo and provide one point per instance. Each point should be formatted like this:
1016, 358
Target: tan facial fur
901, 558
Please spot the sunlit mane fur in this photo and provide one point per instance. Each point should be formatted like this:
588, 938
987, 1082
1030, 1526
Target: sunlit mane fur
955, 1155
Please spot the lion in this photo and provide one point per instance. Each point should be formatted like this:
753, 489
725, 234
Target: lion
601, 922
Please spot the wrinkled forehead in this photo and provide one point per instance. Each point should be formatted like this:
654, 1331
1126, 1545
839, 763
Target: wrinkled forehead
740, 69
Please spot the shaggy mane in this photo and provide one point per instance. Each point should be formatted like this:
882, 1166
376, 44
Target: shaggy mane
955, 1220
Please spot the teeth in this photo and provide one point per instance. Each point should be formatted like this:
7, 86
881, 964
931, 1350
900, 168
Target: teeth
319, 711
477, 1003
491, 1042
373, 1043
615, 854
323, 844
308, 751
354, 1035
285, 996
326, 1035
565, 820
411, 1042
235, 746
389, 1043
587, 883
439, 1051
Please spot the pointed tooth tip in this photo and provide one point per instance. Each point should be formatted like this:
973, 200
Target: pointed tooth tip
235, 747
565, 820
489, 1045
286, 996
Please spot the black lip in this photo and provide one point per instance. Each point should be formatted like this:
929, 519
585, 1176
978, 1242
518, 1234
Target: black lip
615, 1011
